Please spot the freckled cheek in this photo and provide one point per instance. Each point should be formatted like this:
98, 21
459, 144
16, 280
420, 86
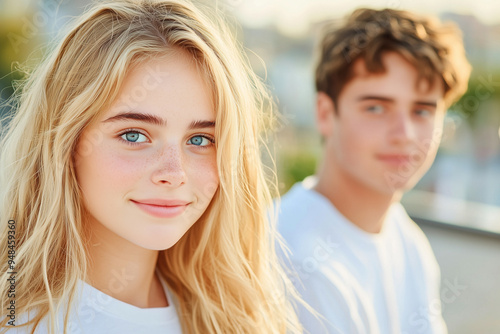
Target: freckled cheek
203, 175
111, 169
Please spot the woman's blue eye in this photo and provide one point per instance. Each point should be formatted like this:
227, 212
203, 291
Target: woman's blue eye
134, 137
200, 141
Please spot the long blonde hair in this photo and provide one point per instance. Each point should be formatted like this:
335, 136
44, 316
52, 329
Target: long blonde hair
224, 271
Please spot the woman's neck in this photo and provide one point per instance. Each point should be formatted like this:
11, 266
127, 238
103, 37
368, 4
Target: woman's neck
123, 270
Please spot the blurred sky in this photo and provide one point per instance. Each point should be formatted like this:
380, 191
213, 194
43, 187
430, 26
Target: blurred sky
293, 17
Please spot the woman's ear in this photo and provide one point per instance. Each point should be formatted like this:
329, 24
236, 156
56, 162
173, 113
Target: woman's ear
325, 114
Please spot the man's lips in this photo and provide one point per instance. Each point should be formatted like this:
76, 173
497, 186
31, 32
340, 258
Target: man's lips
394, 159
162, 208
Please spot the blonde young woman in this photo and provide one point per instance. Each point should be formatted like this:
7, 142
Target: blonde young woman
133, 199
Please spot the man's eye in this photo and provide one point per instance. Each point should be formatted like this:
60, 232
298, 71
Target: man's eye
423, 112
375, 109
134, 137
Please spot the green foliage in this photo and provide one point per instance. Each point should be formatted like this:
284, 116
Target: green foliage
483, 86
294, 167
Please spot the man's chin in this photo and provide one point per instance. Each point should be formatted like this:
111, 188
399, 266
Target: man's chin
396, 190
397, 183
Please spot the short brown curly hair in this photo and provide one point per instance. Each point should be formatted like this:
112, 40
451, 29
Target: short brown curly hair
434, 48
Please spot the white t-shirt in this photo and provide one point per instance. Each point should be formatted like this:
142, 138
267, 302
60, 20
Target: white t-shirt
96, 312
385, 283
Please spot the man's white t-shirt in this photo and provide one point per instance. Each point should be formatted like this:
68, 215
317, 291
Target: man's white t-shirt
385, 283
95, 312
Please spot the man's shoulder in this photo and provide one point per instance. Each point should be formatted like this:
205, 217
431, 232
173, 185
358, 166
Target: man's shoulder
406, 227
303, 216
414, 242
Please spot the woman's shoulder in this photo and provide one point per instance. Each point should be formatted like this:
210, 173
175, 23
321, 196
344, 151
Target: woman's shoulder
93, 312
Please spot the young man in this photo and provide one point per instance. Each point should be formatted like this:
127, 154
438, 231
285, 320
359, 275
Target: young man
384, 82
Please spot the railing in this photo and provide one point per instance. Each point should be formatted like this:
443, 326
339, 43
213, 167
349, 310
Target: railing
428, 207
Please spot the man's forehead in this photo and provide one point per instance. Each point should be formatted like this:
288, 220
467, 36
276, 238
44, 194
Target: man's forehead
359, 70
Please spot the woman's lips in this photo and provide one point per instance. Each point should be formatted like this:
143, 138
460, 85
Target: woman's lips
162, 208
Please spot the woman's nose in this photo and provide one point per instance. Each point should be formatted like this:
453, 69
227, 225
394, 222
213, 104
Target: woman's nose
170, 167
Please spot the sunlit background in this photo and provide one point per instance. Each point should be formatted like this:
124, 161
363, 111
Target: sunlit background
457, 203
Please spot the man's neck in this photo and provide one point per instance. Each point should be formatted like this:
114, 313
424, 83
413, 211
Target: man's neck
361, 205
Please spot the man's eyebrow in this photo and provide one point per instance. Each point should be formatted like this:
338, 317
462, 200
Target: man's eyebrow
201, 125
375, 97
427, 103
143, 117
388, 99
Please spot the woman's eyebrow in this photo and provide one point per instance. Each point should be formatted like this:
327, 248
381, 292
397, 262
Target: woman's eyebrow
201, 125
143, 117
155, 120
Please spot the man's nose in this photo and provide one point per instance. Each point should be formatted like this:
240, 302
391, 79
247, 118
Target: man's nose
402, 128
